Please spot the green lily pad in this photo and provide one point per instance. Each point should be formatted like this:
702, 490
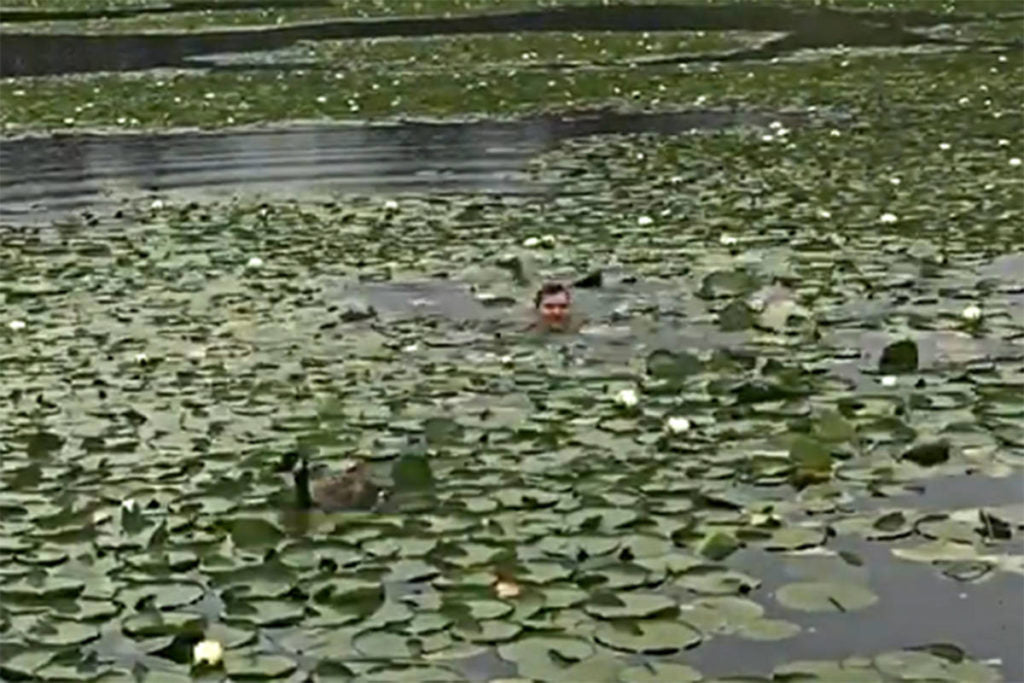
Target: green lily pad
382, 645
674, 367
488, 609
795, 538
659, 672
545, 657
257, 665
409, 674
254, 533
832, 427
718, 546
57, 633
726, 283
651, 637
899, 358
928, 454
489, 631
916, 665
736, 316
825, 671
629, 605
824, 596
767, 629
711, 580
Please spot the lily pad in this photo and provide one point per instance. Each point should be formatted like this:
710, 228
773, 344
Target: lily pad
899, 358
545, 658
824, 596
659, 672
630, 605
650, 637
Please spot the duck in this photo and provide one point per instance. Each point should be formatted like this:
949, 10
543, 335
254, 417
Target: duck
350, 489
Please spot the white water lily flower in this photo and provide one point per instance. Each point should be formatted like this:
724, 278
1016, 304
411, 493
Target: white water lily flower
944, 146
157, 204
254, 262
1003, 142
727, 240
16, 325
894, 181
507, 589
677, 425
411, 348
824, 213
129, 504
547, 240
1015, 161
531, 242
834, 133
391, 205
767, 138
887, 218
322, 99
506, 360
972, 313
627, 398
888, 381
141, 358
963, 100
643, 221
208, 652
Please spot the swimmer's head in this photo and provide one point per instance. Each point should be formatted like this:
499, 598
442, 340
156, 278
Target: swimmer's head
552, 302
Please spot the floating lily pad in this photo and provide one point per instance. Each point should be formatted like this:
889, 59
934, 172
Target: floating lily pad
489, 631
824, 596
899, 358
928, 454
826, 671
767, 629
382, 645
671, 366
659, 672
545, 658
629, 605
254, 533
652, 637
256, 665
711, 580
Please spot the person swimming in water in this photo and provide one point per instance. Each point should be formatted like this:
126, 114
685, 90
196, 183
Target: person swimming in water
552, 304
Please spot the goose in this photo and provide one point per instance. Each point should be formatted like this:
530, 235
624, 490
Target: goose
351, 489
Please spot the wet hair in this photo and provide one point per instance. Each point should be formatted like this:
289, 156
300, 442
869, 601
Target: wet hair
549, 289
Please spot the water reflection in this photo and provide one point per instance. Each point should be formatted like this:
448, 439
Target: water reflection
39, 176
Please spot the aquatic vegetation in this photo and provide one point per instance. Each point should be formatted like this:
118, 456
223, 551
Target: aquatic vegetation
787, 419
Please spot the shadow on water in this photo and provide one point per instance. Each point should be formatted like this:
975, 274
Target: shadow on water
39, 176
34, 54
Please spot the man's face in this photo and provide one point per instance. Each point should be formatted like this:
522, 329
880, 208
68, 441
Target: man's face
554, 308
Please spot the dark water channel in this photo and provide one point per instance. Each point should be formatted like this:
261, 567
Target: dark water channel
36, 54
41, 177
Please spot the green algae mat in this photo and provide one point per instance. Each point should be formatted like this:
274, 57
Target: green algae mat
786, 446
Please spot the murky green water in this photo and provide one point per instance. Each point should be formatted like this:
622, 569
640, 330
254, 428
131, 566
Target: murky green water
739, 469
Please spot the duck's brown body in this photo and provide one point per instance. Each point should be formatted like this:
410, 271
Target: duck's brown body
349, 490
